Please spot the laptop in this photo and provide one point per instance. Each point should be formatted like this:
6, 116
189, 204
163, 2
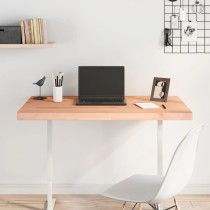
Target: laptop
101, 85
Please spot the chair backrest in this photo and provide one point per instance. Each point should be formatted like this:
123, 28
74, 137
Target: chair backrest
181, 166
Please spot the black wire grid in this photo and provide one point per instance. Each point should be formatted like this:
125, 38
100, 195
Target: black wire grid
203, 27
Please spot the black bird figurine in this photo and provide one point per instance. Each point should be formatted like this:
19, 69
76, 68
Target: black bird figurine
40, 83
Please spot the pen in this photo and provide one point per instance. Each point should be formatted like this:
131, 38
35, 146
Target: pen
53, 78
164, 107
59, 84
62, 80
57, 80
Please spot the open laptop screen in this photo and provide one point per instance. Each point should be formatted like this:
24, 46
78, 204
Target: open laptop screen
101, 81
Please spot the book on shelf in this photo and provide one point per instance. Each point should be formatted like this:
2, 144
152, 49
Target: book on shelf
39, 31
31, 35
34, 31
44, 31
26, 32
22, 32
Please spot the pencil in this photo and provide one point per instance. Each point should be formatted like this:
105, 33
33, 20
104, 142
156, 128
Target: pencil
53, 78
164, 107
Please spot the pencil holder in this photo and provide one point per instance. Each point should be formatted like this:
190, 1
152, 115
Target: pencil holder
58, 94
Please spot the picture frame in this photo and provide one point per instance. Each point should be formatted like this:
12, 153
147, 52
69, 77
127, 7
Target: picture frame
160, 89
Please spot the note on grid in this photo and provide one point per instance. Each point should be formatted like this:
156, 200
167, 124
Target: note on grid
147, 105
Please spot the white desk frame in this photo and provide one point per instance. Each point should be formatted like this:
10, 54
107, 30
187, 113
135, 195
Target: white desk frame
51, 201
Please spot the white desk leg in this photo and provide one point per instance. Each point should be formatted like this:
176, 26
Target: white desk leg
160, 148
50, 200
160, 153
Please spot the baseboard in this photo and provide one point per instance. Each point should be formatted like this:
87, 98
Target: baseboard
57, 188
197, 189
82, 189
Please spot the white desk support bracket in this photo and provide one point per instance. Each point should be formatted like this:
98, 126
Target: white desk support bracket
160, 148
50, 200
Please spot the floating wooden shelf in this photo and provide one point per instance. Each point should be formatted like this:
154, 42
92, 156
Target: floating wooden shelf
48, 45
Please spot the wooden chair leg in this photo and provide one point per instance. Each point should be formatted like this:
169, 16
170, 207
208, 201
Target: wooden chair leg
139, 206
177, 205
123, 207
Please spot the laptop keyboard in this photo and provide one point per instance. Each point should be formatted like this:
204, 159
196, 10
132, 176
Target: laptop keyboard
101, 100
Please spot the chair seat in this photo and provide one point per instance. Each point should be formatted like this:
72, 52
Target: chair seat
137, 188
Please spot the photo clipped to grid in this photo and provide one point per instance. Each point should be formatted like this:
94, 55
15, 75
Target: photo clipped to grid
187, 26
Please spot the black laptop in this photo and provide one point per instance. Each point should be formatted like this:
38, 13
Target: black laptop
101, 85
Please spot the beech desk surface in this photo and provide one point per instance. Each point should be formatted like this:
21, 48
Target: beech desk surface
68, 110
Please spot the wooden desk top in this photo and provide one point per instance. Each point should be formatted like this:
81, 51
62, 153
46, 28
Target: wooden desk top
67, 110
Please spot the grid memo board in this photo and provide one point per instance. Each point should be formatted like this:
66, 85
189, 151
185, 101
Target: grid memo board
202, 45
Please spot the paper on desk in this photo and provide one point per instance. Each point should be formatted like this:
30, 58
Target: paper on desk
147, 105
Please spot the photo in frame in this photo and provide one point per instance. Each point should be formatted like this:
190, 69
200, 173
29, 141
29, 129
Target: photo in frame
160, 89
189, 31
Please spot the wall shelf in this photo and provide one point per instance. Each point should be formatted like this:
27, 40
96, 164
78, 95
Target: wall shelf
10, 46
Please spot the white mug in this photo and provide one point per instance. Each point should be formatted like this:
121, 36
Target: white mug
57, 94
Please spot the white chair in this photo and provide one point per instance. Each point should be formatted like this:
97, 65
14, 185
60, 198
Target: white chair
155, 189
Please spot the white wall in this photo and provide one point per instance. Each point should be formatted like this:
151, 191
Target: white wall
95, 153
